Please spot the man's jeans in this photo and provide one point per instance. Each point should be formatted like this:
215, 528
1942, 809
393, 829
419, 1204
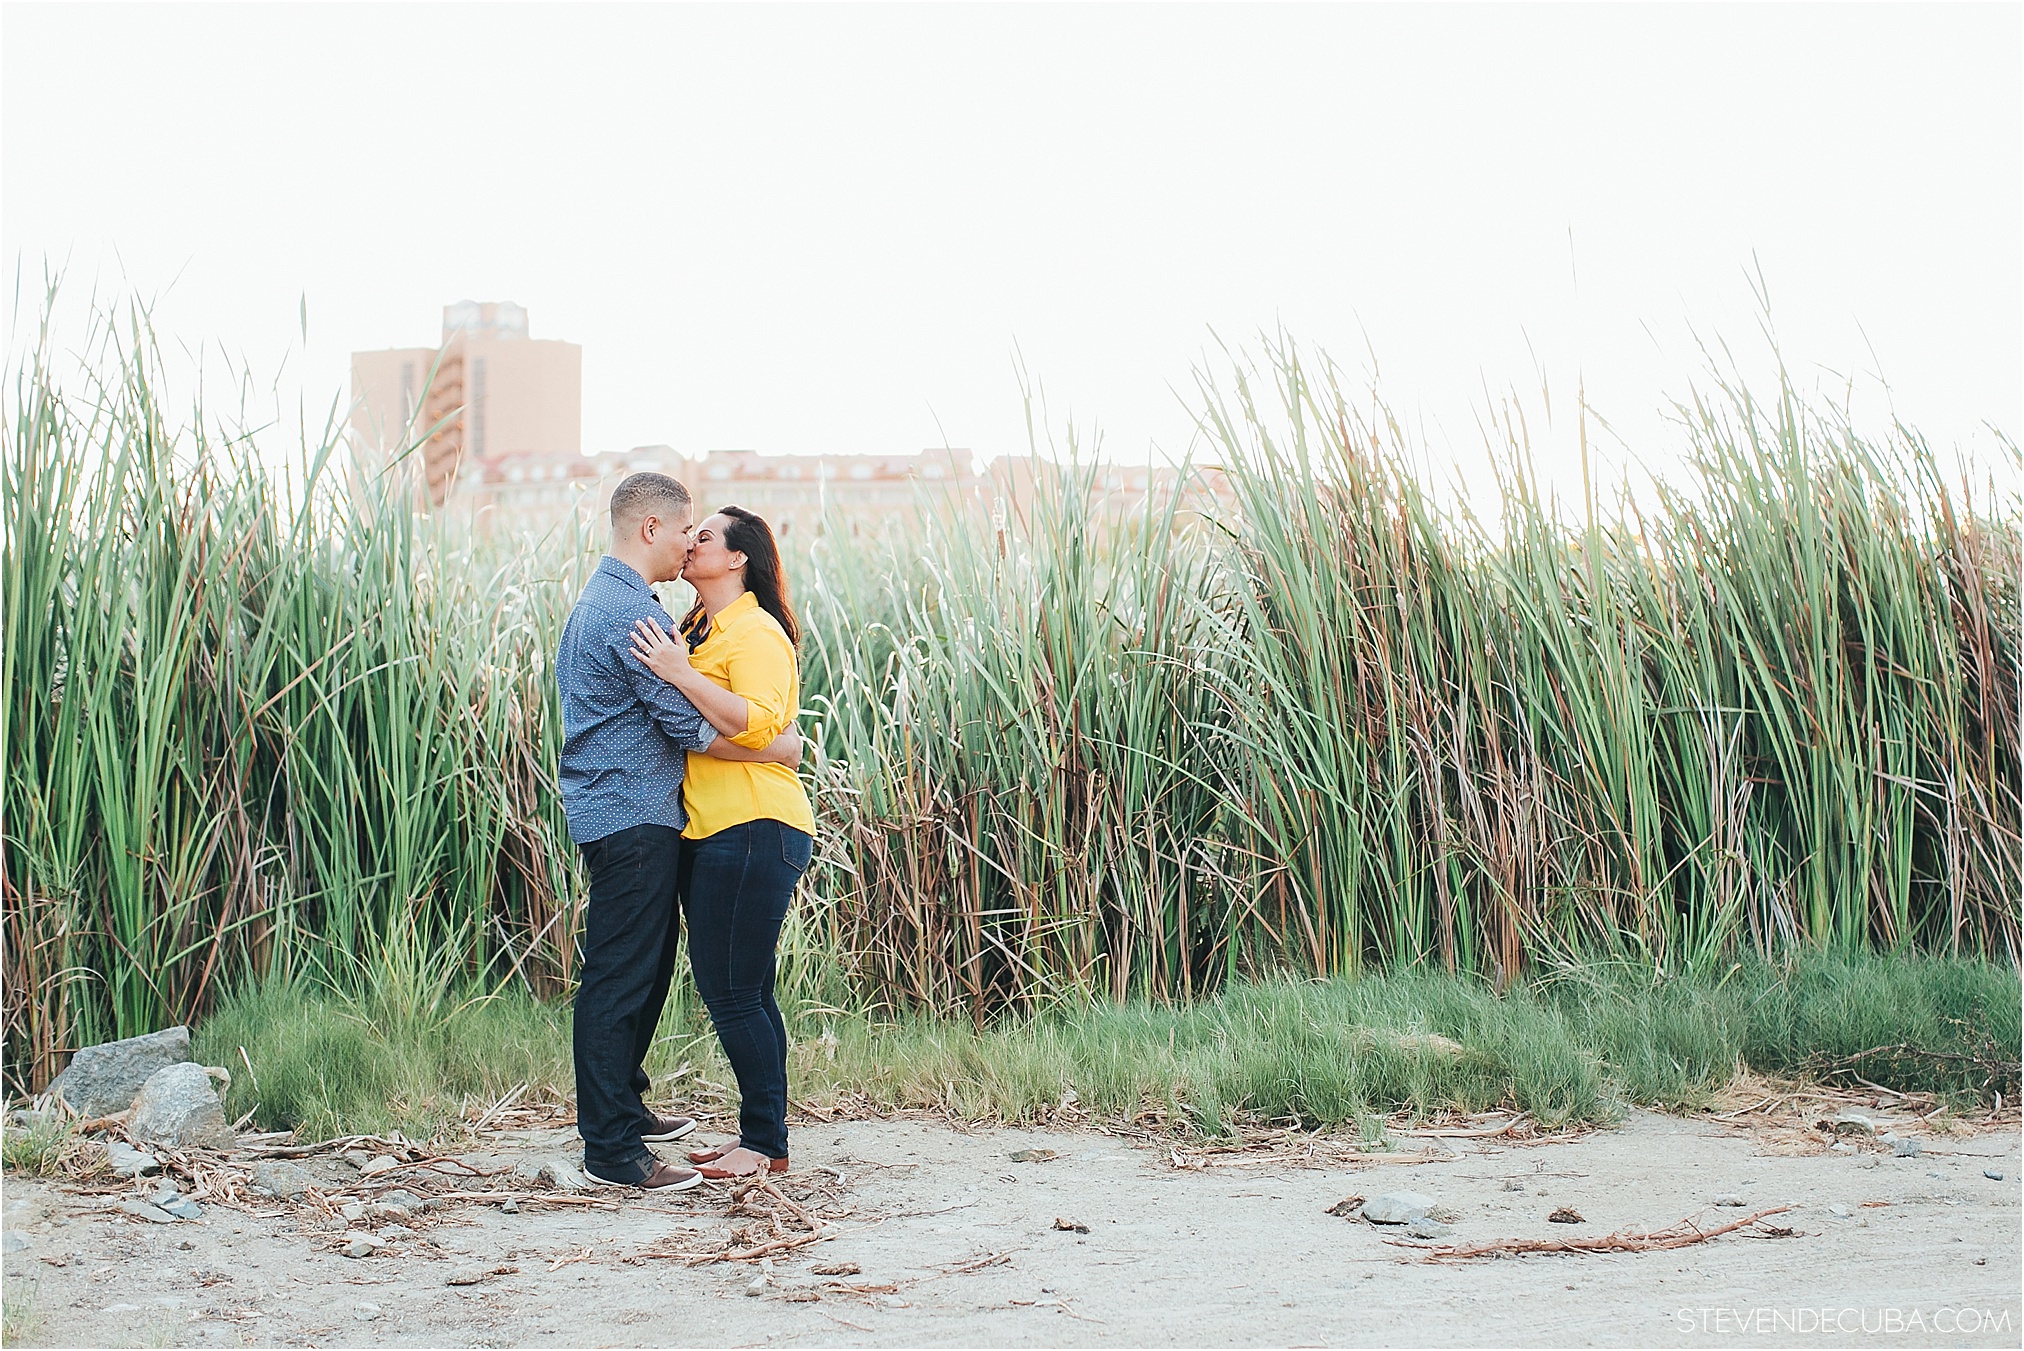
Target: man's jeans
735, 888
629, 933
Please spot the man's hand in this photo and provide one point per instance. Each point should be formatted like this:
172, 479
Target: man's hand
661, 654
784, 749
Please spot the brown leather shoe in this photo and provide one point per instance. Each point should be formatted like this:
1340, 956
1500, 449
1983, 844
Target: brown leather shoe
721, 1174
665, 1177
714, 1152
667, 1128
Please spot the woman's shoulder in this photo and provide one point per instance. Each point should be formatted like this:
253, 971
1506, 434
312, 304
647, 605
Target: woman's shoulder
756, 626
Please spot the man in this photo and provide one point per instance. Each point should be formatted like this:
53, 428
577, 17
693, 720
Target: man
626, 738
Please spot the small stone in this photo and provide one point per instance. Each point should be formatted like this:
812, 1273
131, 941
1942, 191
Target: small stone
185, 1209
286, 1180
130, 1162
1444, 1214
1397, 1207
165, 1193
1839, 1212
362, 1245
563, 1176
177, 1107
1842, 1147
357, 1158
364, 1312
388, 1210
142, 1210
509, 1208
1907, 1149
1428, 1227
390, 1232
1992, 1175
353, 1211
16, 1241
1729, 1199
106, 1078
385, 1163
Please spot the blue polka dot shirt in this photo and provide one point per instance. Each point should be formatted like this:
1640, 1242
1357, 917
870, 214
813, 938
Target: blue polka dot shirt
626, 732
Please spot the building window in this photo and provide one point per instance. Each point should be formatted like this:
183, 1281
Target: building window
478, 407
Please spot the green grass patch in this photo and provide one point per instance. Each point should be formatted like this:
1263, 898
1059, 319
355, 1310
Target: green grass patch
1578, 1046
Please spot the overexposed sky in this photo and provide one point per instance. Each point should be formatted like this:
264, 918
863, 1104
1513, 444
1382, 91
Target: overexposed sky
829, 228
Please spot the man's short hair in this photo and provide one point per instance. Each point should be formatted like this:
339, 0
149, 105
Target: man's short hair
641, 494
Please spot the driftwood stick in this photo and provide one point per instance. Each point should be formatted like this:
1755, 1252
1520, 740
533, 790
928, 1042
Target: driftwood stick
1677, 1236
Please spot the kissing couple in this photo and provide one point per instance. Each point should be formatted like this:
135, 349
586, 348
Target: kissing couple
677, 773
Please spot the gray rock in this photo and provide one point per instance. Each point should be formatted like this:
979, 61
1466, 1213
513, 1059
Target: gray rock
185, 1210
105, 1079
165, 1193
142, 1210
176, 1107
16, 1241
1907, 1149
362, 1244
407, 1200
1428, 1227
509, 1208
390, 1232
1397, 1207
1839, 1212
130, 1162
365, 1312
1992, 1175
387, 1210
285, 1180
352, 1210
1729, 1199
357, 1158
560, 1174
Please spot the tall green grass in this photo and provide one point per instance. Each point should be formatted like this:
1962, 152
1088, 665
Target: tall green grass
1299, 718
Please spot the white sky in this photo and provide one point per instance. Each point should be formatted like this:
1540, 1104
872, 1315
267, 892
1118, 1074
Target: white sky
825, 229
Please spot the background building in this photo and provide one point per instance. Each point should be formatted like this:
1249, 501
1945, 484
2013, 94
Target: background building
489, 393
490, 424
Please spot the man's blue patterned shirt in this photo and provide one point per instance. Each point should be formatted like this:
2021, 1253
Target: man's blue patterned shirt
626, 732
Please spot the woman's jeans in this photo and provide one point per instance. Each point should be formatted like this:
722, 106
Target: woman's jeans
734, 887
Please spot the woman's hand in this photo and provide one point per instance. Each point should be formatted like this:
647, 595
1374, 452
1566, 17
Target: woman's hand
661, 654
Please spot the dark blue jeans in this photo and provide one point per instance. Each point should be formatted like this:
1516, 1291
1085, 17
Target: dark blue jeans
735, 887
630, 930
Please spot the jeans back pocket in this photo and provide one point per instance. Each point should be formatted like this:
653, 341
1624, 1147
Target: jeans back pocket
797, 847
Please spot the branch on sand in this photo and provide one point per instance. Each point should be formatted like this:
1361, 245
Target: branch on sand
1679, 1235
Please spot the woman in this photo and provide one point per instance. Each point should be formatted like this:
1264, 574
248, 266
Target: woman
750, 831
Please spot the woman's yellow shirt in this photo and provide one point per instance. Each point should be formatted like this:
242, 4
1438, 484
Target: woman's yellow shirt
747, 653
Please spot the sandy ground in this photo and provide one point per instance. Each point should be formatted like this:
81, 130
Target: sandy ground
958, 1246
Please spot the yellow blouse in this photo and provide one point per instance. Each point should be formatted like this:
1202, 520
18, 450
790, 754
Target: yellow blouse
747, 653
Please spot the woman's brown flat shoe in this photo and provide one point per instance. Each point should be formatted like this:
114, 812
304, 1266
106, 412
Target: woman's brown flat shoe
713, 1154
724, 1174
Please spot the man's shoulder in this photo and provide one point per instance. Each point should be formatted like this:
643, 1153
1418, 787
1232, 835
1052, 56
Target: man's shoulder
608, 602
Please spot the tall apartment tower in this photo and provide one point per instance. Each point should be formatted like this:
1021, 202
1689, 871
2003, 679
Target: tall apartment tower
490, 391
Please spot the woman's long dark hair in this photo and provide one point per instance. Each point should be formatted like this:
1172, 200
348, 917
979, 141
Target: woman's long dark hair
749, 535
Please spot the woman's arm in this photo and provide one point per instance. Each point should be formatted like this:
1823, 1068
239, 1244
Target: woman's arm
785, 749
729, 713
